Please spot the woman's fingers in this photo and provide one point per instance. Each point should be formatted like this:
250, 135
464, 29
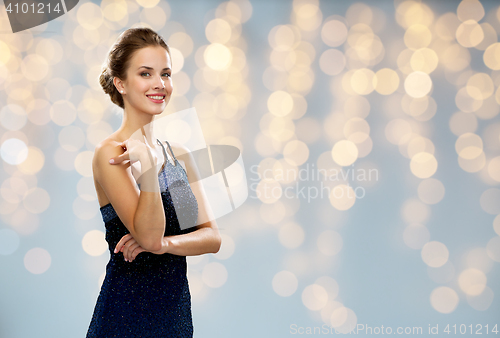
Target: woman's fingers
128, 249
122, 242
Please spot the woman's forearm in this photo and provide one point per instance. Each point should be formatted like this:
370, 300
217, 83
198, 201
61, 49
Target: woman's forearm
201, 241
149, 218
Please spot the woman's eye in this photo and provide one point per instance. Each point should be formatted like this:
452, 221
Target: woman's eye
144, 73
167, 74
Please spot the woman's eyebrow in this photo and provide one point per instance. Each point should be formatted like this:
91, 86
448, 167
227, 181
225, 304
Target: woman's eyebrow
166, 68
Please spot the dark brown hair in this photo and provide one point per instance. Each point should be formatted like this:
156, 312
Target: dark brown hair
119, 56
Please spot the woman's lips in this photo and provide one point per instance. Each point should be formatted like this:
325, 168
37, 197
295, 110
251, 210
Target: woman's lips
155, 99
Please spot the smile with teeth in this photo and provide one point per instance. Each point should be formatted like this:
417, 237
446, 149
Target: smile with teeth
156, 98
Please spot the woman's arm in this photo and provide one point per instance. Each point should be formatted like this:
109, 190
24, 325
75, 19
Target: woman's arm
205, 239
140, 211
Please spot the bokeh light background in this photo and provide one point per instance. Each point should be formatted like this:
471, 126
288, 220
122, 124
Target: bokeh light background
407, 91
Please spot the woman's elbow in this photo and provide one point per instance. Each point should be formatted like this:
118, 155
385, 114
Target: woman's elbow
218, 243
151, 244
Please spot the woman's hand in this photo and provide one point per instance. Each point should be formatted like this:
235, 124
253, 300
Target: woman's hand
130, 248
136, 148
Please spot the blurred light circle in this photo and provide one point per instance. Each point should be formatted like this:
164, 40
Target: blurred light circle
36, 200
314, 297
398, 131
334, 33
480, 86
14, 151
344, 320
472, 281
329, 242
444, 299
387, 81
344, 152
472, 165
83, 163
86, 189
177, 60
63, 112
469, 34
470, 10
280, 103
483, 301
214, 274
269, 191
93, 243
284, 283
490, 201
416, 235
419, 144
478, 258
356, 130
469, 146
13, 117
363, 81
418, 84
296, 152
491, 56
461, 123
493, 248
417, 36
34, 67
9, 241
148, 3
37, 261
330, 285
342, 197
467, 103
423, 165
89, 15
71, 138
496, 224
84, 209
431, 191
218, 31
34, 161
424, 60
217, 56
332, 62
494, 168
114, 10
435, 254
291, 235
414, 211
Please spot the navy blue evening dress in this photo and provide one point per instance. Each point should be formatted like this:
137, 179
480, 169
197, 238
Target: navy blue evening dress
148, 297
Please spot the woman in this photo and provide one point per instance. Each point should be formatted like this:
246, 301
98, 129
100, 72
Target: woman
145, 292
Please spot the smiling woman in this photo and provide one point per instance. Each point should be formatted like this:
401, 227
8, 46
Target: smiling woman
143, 200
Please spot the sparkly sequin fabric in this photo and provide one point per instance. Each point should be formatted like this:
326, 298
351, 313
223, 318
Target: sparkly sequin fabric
148, 297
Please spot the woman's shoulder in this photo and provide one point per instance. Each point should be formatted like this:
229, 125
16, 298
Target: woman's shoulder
109, 147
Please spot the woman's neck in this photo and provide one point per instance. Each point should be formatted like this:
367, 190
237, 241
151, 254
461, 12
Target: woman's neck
136, 124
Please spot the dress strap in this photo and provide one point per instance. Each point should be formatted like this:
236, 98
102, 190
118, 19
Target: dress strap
171, 151
164, 152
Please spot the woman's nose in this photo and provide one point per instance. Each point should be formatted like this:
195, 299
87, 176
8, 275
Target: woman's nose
160, 83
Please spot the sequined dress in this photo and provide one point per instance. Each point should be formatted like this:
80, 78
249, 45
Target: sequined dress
148, 297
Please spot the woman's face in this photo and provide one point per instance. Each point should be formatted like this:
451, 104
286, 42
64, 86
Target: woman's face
149, 84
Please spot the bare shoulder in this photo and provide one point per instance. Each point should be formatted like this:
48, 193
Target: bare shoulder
105, 150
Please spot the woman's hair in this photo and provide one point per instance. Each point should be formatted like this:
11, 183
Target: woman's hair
121, 53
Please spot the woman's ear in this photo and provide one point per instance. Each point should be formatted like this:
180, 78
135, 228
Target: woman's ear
119, 85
